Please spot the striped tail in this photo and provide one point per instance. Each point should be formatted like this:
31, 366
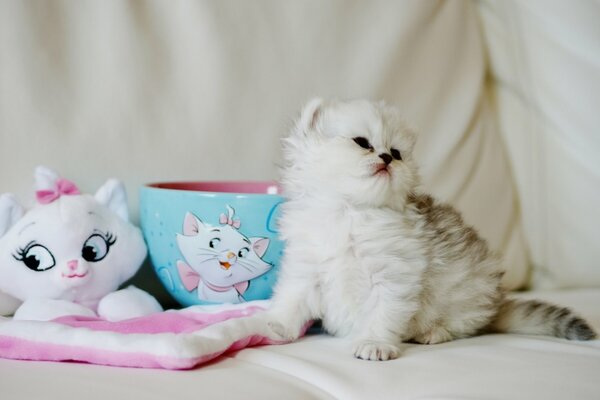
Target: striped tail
532, 317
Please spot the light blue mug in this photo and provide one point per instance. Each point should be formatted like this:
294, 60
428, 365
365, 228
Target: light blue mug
213, 242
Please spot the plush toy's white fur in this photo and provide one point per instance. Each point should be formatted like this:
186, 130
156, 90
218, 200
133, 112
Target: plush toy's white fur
80, 249
375, 259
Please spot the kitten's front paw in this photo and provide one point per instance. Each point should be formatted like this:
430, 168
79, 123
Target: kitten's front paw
283, 333
375, 351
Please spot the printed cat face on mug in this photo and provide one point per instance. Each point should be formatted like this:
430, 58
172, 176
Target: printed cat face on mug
219, 260
351, 149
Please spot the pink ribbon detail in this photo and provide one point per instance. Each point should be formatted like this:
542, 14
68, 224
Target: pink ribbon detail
224, 219
191, 280
63, 187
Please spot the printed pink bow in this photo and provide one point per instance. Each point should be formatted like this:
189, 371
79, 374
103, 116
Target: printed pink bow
224, 219
63, 187
191, 280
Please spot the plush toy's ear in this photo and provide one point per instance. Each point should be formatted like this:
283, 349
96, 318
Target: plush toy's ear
10, 212
112, 194
310, 115
45, 178
191, 224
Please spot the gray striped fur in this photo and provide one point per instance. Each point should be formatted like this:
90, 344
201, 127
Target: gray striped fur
533, 317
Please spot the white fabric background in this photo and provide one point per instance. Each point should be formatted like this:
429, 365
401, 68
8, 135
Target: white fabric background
149, 91
545, 61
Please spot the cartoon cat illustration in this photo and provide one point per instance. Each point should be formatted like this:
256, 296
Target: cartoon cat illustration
219, 260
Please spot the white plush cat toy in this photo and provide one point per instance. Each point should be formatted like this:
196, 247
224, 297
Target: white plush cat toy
70, 252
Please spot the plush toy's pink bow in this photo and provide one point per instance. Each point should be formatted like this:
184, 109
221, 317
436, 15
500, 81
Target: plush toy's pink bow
63, 187
224, 219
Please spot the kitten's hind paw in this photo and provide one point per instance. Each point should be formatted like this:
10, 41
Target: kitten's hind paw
375, 351
434, 336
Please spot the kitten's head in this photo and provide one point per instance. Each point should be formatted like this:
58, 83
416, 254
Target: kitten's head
75, 247
221, 254
358, 151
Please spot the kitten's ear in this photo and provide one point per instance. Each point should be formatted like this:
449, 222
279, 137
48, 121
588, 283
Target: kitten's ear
45, 178
10, 212
310, 115
113, 195
191, 225
260, 245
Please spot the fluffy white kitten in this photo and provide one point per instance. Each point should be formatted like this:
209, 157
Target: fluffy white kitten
374, 259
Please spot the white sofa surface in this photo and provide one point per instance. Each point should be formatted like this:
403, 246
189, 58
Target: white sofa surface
319, 366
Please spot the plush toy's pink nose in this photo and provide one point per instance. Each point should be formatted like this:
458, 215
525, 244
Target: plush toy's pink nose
72, 265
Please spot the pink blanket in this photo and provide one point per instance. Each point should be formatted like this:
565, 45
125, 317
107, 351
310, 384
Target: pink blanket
179, 339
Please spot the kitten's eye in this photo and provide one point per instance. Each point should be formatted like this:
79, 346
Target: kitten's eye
37, 258
243, 252
95, 248
363, 142
214, 243
396, 154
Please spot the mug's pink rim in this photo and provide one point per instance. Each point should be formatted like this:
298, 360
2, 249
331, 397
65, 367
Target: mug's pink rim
233, 187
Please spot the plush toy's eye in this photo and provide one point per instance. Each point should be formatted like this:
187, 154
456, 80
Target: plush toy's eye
96, 247
396, 154
36, 257
363, 142
243, 252
214, 243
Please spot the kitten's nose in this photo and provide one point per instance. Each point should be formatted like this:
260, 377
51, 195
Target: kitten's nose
386, 158
230, 255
